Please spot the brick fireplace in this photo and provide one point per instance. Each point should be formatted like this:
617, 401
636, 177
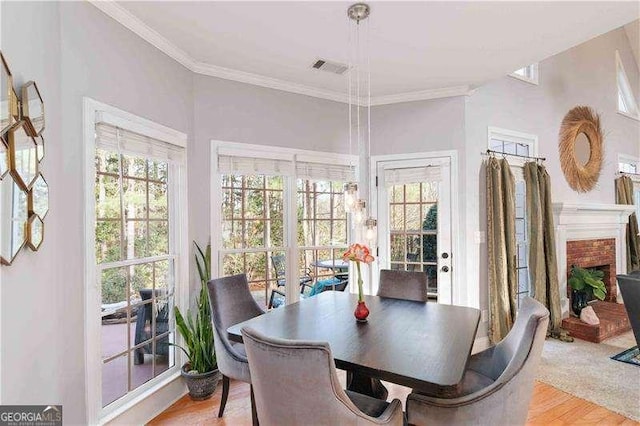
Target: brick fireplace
595, 254
592, 236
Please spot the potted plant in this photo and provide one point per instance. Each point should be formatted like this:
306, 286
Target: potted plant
585, 283
201, 370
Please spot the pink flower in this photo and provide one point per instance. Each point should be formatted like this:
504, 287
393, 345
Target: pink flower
358, 253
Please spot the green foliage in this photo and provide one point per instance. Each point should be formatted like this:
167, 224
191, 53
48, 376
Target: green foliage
588, 280
429, 242
197, 331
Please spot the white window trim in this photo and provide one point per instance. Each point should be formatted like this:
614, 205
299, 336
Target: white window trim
463, 291
514, 136
94, 111
628, 159
627, 92
291, 248
535, 80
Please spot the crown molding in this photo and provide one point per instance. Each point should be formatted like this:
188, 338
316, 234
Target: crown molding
422, 95
133, 23
137, 26
269, 82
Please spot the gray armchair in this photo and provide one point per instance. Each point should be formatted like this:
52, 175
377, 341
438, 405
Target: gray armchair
630, 290
407, 285
498, 384
295, 383
231, 303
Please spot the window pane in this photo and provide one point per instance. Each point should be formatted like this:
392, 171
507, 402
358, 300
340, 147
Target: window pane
134, 166
135, 198
158, 238
108, 241
114, 285
108, 162
158, 201
115, 382
107, 197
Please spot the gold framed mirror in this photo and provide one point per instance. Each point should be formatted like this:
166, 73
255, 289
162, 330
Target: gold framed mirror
9, 113
581, 148
40, 148
4, 158
32, 109
39, 197
23, 156
13, 219
35, 232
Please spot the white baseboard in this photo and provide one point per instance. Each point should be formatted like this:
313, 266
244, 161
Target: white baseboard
480, 344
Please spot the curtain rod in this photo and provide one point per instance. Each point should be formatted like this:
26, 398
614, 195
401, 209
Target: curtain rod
490, 152
627, 173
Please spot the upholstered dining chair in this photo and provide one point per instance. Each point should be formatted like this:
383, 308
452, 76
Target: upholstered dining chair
231, 303
630, 290
407, 285
498, 383
295, 383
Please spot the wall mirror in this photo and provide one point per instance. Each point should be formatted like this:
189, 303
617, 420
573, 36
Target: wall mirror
13, 219
8, 98
39, 197
40, 147
4, 158
23, 156
580, 148
32, 109
35, 232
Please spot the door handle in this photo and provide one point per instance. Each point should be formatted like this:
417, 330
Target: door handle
445, 255
445, 269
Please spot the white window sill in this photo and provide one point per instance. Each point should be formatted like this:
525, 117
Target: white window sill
135, 397
626, 114
535, 81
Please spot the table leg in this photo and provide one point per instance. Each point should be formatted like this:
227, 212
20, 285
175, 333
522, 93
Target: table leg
366, 385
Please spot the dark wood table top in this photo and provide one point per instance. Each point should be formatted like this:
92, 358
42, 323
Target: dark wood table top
420, 345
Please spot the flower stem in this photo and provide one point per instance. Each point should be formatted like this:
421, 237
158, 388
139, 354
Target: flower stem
360, 293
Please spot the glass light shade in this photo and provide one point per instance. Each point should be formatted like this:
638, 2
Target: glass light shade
350, 196
371, 231
359, 212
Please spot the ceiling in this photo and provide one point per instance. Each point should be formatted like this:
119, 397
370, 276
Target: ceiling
418, 49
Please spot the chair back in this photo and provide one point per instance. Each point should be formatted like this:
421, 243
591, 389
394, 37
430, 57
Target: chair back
512, 364
295, 382
279, 266
407, 285
231, 303
630, 290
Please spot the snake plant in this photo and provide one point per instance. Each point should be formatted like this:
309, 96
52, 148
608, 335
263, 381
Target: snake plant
197, 330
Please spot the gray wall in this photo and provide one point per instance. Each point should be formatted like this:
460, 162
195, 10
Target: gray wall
71, 50
236, 112
583, 75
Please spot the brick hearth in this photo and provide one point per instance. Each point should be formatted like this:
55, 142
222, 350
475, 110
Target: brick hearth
597, 254
613, 321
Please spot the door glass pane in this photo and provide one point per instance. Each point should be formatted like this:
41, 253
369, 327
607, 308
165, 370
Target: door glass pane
413, 220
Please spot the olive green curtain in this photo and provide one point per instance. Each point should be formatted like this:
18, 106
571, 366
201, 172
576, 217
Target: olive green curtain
624, 195
543, 264
501, 244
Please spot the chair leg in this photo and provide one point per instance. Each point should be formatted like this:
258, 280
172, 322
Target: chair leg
225, 394
254, 413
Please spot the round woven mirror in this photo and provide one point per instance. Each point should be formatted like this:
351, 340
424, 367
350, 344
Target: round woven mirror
581, 148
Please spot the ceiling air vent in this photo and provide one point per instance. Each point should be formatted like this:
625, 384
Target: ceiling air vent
328, 66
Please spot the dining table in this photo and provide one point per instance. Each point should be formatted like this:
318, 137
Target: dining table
424, 346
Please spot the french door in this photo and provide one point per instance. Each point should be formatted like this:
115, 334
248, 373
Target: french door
414, 213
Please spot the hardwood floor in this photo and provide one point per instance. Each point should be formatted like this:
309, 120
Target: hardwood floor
549, 406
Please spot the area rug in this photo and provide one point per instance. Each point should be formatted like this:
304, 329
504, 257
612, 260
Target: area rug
630, 356
586, 370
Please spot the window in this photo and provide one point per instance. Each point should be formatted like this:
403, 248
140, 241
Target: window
627, 164
627, 104
268, 195
136, 257
528, 74
520, 144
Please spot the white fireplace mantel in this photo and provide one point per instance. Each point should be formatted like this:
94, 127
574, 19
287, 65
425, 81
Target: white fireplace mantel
585, 222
